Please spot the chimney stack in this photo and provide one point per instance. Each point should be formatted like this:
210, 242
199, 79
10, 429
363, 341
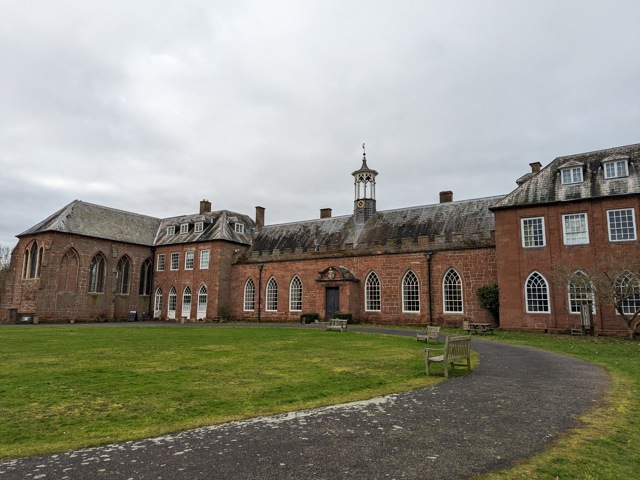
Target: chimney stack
446, 197
325, 213
205, 206
535, 167
259, 217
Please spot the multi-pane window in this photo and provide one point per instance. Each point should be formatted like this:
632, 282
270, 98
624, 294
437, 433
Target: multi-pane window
452, 292
184, 228
188, 260
157, 306
96, 274
295, 295
202, 302
537, 294
186, 302
575, 229
372, 293
533, 232
239, 227
32, 261
616, 169
173, 301
204, 259
580, 292
272, 295
198, 227
171, 230
145, 278
249, 296
410, 293
160, 266
175, 260
627, 292
622, 225
123, 275
571, 175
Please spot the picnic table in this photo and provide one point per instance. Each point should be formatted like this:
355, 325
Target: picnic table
480, 327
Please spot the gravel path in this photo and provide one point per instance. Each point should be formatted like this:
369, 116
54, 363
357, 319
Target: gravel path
518, 400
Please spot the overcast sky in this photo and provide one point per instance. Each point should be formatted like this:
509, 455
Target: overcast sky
150, 106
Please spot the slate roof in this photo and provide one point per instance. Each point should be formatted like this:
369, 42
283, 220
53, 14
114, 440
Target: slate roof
546, 187
91, 220
219, 225
466, 217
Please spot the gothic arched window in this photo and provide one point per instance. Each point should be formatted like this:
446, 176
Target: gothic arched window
146, 271
410, 292
272, 295
295, 295
123, 275
537, 294
452, 292
249, 296
96, 274
372, 293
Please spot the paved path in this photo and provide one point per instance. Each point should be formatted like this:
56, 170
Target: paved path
516, 401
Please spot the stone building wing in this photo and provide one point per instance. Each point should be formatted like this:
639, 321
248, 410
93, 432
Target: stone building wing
545, 186
461, 224
87, 219
218, 225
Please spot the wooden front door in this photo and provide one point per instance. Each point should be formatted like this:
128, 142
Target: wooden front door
333, 301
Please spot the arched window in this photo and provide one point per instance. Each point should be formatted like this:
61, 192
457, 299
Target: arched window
157, 306
452, 292
537, 294
68, 272
123, 274
295, 295
186, 302
249, 296
32, 261
580, 292
410, 292
627, 293
202, 302
272, 295
372, 293
173, 301
146, 271
96, 274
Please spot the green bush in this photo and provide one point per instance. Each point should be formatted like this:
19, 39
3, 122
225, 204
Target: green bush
488, 298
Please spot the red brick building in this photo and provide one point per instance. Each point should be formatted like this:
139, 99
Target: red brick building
415, 265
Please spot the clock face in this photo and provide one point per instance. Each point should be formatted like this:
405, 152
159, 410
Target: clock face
360, 203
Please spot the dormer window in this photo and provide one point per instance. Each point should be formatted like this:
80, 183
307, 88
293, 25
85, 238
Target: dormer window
239, 228
171, 230
198, 227
571, 175
616, 169
184, 228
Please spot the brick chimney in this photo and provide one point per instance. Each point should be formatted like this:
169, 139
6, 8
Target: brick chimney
446, 197
205, 206
325, 213
535, 167
259, 217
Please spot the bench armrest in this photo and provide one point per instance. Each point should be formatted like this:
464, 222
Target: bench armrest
432, 349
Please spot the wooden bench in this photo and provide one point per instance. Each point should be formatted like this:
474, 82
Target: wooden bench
431, 333
455, 349
337, 324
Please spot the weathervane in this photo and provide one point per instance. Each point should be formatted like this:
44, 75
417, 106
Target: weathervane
364, 151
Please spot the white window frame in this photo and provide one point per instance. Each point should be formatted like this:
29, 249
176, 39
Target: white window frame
239, 227
616, 169
452, 295
175, 261
576, 294
410, 293
202, 301
372, 293
189, 257
571, 175
525, 238
198, 227
204, 259
184, 228
249, 302
272, 295
295, 294
172, 302
160, 266
540, 296
577, 237
186, 302
171, 230
632, 303
157, 304
626, 230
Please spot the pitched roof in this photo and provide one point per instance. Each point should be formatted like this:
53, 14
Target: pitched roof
546, 186
84, 218
464, 218
219, 225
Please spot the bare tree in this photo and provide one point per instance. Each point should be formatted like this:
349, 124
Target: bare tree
5, 258
614, 280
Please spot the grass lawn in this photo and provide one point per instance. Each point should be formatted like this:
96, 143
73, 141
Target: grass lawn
66, 387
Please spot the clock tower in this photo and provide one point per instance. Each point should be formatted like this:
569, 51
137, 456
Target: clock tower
364, 205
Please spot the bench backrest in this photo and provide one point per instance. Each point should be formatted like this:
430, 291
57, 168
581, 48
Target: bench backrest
432, 330
457, 348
